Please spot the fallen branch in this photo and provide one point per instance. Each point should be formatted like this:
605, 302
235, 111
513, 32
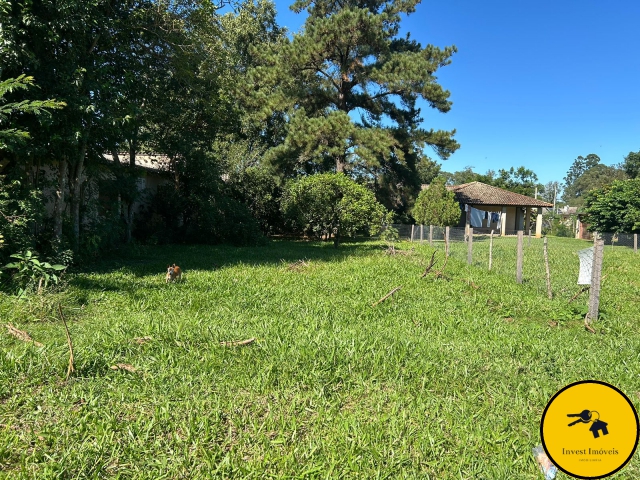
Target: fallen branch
142, 340
440, 272
22, 335
582, 290
124, 366
588, 327
430, 266
238, 343
297, 265
387, 295
71, 368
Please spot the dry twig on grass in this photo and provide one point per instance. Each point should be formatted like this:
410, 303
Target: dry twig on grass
124, 366
440, 272
298, 265
22, 335
238, 343
432, 262
582, 290
588, 327
71, 368
142, 340
387, 295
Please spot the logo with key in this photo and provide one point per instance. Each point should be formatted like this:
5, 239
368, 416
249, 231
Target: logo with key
587, 444
587, 416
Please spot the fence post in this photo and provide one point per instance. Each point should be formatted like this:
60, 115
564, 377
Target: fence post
546, 266
412, 228
596, 277
490, 249
421, 234
529, 238
431, 235
470, 247
635, 243
520, 257
446, 241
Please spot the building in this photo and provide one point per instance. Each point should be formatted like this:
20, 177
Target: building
486, 208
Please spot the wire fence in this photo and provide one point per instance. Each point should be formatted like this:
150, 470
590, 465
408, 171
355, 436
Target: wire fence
554, 266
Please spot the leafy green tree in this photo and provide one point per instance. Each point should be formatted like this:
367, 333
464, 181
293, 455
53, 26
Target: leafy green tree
437, 206
349, 58
428, 170
631, 164
579, 166
519, 180
332, 204
614, 208
259, 190
595, 177
10, 136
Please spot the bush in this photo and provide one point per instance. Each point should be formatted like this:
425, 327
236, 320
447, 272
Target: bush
332, 204
22, 209
437, 206
28, 273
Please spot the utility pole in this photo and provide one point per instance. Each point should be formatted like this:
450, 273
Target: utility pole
555, 192
536, 193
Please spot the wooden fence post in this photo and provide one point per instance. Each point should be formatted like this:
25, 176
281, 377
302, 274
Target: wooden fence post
546, 266
470, 247
431, 235
635, 243
490, 249
520, 258
596, 278
446, 241
412, 228
421, 234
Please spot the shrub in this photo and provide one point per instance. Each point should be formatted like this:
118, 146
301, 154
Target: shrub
332, 204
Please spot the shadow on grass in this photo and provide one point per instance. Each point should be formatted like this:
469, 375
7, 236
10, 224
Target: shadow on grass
143, 261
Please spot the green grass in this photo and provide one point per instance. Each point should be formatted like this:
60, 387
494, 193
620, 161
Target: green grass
446, 380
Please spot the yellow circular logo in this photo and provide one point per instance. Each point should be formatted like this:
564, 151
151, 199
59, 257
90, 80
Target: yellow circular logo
589, 429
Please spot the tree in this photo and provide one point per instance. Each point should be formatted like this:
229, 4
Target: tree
551, 192
332, 204
11, 136
519, 180
631, 164
579, 166
437, 206
595, 177
614, 208
347, 59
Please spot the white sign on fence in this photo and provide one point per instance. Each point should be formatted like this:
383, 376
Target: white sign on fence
586, 262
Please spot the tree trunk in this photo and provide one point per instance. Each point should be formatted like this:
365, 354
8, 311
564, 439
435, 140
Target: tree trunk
58, 207
76, 179
129, 211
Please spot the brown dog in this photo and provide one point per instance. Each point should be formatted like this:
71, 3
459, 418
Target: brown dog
173, 273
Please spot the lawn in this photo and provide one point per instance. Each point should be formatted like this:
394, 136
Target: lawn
447, 379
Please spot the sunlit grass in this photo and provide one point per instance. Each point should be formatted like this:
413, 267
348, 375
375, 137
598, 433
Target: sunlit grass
446, 379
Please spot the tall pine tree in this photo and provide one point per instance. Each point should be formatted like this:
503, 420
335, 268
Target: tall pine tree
349, 61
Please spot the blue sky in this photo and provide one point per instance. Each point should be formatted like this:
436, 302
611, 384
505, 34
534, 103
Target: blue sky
533, 83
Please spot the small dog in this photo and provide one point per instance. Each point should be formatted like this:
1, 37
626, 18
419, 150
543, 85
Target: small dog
173, 273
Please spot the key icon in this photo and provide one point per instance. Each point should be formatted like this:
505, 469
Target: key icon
584, 417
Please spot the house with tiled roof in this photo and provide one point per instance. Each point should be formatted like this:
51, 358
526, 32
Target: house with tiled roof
485, 208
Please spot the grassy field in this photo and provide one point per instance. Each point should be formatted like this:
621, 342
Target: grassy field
445, 380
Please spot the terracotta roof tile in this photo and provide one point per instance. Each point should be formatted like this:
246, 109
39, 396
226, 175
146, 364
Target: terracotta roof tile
478, 193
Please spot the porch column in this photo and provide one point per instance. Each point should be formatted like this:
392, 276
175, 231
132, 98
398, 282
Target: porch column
503, 221
527, 220
539, 223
